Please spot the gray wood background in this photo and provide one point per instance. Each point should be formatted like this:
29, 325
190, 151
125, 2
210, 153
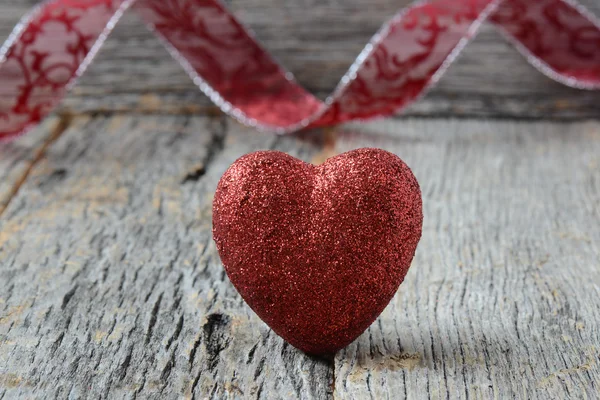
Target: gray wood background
111, 287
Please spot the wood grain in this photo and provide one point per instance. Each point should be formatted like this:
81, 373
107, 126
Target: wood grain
502, 297
112, 287
317, 41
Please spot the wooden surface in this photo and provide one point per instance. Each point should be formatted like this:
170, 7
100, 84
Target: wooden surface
111, 287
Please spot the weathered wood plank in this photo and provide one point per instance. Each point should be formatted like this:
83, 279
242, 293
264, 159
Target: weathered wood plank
111, 284
317, 41
502, 297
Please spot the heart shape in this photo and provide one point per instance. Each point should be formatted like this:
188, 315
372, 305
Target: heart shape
317, 251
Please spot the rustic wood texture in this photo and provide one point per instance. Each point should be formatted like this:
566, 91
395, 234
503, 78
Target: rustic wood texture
317, 41
112, 286
502, 297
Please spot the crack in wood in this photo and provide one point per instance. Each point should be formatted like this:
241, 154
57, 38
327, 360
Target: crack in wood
259, 391
194, 174
59, 128
153, 317
251, 354
67, 297
194, 350
57, 343
53, 178
166, 372
176, 333
122, 371
216, 337
259, 369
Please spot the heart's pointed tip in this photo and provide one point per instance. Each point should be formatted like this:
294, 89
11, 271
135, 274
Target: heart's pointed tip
317, 347
324, 353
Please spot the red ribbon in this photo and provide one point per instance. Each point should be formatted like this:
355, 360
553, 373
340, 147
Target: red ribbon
53, 45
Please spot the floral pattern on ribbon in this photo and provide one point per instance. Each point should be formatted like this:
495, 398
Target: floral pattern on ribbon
53, 45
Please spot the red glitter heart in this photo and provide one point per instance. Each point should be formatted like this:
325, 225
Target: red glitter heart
317, 251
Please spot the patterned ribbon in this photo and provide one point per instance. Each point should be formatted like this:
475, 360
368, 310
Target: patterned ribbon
53, 45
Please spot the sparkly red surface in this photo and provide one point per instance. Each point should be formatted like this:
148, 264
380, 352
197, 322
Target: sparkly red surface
317, 251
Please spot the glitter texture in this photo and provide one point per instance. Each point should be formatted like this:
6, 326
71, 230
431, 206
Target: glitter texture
317, 251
